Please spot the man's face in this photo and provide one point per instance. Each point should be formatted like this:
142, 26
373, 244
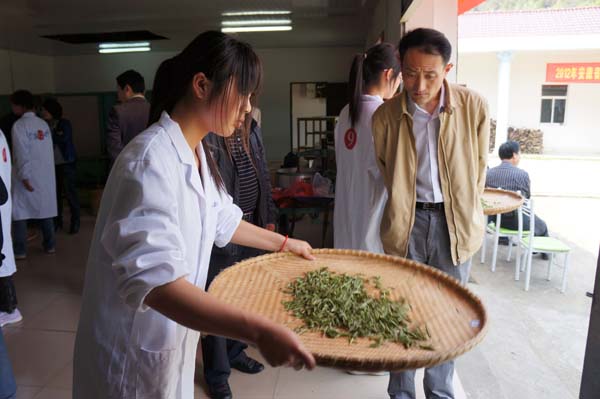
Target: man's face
17, 109
123, 94
423, 75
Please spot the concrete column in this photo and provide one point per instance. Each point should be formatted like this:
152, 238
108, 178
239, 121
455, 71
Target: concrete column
504, 59
441, 15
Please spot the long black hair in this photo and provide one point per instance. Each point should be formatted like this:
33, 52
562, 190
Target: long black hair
366, 69
228, 63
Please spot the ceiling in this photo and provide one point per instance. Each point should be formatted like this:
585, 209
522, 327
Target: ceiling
316, 23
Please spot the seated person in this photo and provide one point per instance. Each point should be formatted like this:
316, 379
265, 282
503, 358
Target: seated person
509, 177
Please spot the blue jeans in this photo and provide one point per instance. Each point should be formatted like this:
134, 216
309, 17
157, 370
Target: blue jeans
8, 386
20, 235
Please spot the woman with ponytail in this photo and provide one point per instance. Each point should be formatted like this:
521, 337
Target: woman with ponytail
163, 208
359, 191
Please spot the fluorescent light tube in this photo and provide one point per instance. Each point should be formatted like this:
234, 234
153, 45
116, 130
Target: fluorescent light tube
123, 50
124, 45
256, 29
248, 22
250, 13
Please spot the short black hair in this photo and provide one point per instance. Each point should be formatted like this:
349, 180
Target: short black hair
132, 78
508, 149
23, 98
429, 41
53, 107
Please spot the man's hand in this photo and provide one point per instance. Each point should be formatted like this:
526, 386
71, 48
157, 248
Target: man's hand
28, 186
270, 227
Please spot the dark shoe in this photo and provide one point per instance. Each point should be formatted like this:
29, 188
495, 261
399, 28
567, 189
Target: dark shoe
247, 365
74, 227
221, 391
503, 241
545, 256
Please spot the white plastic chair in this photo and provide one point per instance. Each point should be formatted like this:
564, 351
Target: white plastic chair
529, 245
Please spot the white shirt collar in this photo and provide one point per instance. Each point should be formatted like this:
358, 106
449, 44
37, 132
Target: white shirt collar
414, 107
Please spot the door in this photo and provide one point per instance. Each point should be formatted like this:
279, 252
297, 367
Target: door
590, 383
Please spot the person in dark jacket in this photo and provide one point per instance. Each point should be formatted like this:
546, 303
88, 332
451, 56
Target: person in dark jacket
242, 163
64, 159
128, 118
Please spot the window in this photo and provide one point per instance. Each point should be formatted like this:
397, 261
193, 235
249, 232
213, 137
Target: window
554, 101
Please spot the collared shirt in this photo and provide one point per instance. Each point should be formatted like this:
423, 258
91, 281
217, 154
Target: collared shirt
509, 177
426, 130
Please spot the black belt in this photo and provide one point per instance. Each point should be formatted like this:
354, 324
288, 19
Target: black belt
430, 206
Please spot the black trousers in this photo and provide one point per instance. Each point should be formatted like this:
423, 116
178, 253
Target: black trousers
510, 221
66, 179
8, 295
219, 352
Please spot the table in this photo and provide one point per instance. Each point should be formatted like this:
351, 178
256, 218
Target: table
300, 206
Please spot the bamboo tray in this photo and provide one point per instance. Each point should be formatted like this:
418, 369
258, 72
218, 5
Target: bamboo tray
455, 317
500, 201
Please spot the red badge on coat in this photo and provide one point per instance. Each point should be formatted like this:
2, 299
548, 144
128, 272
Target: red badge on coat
350, 138
40, 135
4, 156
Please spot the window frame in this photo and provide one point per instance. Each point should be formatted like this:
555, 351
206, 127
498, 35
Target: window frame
553, 99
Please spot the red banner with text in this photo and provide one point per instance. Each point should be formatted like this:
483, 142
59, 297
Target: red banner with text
582, 72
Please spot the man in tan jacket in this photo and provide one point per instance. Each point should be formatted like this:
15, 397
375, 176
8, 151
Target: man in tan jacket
431, 144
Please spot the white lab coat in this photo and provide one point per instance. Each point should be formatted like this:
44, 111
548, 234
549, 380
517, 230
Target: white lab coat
33, 154
360, 194
9, 266
157, 223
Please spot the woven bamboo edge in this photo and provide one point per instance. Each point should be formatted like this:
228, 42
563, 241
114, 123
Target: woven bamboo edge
398, 364
504, 209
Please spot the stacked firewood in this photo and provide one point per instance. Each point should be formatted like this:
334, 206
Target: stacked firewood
492, 134
531, 141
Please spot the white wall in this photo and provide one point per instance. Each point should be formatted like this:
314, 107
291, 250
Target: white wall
580, 134
26, 71
305, 105
97, 73
281, 67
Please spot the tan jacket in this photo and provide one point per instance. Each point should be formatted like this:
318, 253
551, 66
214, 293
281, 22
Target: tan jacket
462, 157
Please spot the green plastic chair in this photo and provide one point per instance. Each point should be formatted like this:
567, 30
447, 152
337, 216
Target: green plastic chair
496, 234
548, 245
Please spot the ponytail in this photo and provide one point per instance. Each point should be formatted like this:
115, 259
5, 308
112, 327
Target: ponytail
163, 91
366, 70
356, 87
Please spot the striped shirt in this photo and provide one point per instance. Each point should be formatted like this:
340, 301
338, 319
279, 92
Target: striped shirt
248, 181
508, 177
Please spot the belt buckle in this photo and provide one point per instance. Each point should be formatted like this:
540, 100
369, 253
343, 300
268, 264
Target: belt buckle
429, 206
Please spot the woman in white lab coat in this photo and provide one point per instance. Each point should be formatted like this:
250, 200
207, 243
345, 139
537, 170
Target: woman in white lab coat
34, 185
8, 297
359, 191
163, 208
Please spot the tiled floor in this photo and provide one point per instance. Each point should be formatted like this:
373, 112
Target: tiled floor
41, 346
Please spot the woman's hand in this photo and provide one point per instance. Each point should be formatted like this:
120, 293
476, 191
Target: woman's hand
282, 347
298, 247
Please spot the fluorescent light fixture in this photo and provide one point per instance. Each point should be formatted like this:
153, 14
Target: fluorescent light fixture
251, 22
123, 50
124, 45
250, 13
237, 29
